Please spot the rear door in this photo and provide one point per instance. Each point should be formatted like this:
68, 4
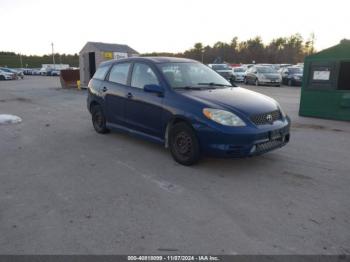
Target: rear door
115, 92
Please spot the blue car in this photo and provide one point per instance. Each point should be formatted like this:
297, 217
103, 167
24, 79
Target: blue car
185, 106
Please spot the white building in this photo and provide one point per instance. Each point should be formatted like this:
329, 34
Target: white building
94, 53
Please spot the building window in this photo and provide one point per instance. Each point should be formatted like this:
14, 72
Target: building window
322, 75
344, 76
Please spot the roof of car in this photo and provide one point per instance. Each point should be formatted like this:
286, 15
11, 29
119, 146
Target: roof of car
154, 59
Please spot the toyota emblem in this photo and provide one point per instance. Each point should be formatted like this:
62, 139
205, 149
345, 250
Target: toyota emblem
269, 118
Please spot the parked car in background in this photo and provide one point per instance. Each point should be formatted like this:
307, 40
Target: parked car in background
6, 75
292, 76
55, 72
18, 74
246, 66
224, 70
27, 71
186, 106
284, 65
239, 74
36, 71
263, 75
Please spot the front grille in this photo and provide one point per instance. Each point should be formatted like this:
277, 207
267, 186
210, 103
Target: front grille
267, 146
266, 118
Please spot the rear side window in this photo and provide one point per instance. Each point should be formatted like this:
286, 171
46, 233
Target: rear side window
101, 73
119, 73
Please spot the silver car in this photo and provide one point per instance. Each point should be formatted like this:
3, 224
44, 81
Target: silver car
263, 75
239, 74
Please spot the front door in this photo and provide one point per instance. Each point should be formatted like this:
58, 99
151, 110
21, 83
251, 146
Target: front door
143, 110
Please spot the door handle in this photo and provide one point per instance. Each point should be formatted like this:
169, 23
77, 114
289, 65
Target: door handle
104, 89
129, 95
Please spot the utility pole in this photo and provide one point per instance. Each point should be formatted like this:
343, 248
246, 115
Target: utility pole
53, 55
20, 59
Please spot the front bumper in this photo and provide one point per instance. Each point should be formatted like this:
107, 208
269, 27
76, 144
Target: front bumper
269, 82
297, 81
239, 78
246, 141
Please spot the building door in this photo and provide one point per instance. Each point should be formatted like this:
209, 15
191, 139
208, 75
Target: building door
92, 64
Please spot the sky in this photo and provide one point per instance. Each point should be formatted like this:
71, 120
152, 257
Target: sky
30, 26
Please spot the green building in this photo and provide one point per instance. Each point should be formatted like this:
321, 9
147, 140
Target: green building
325, 91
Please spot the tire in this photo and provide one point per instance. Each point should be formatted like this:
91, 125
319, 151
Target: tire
256, 82
290, 83
2, 78
245, 81
183, 144
98, 119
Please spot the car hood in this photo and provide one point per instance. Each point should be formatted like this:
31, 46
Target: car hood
271, 75
224, 71
6, 73
236, 99
299, 75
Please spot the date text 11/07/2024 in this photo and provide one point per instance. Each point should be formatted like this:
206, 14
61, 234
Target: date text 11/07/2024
174, 258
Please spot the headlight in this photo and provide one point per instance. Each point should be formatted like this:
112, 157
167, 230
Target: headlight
282, 112
296, 77
262, 77
223, 117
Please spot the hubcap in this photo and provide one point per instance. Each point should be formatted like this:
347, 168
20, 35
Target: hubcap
98, 119
183, 143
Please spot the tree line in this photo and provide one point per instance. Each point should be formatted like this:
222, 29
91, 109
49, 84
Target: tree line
289, 50
14, 60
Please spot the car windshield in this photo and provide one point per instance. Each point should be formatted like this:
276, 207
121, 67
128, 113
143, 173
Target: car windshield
239, 70
295, 70
266, 70
182, 75
221, 67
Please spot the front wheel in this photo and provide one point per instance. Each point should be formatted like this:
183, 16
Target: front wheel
290, 83
98, 119
183, 143
257, 82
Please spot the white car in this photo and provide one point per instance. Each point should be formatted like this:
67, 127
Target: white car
6, 76
239, 74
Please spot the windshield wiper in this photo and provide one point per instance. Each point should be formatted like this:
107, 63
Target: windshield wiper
212, 84
187, 87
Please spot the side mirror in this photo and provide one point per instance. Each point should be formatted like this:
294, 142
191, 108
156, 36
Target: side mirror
152, 88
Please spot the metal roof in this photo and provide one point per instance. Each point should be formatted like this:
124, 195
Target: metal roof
113, 47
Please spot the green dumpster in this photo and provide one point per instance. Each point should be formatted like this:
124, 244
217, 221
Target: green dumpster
325, 90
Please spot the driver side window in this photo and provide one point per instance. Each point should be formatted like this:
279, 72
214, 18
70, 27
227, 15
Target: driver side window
142, 75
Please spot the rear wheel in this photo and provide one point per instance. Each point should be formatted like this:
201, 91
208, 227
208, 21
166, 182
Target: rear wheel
99, 119
183, 143
2, 78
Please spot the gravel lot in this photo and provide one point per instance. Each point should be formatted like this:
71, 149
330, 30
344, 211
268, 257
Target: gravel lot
65, 189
